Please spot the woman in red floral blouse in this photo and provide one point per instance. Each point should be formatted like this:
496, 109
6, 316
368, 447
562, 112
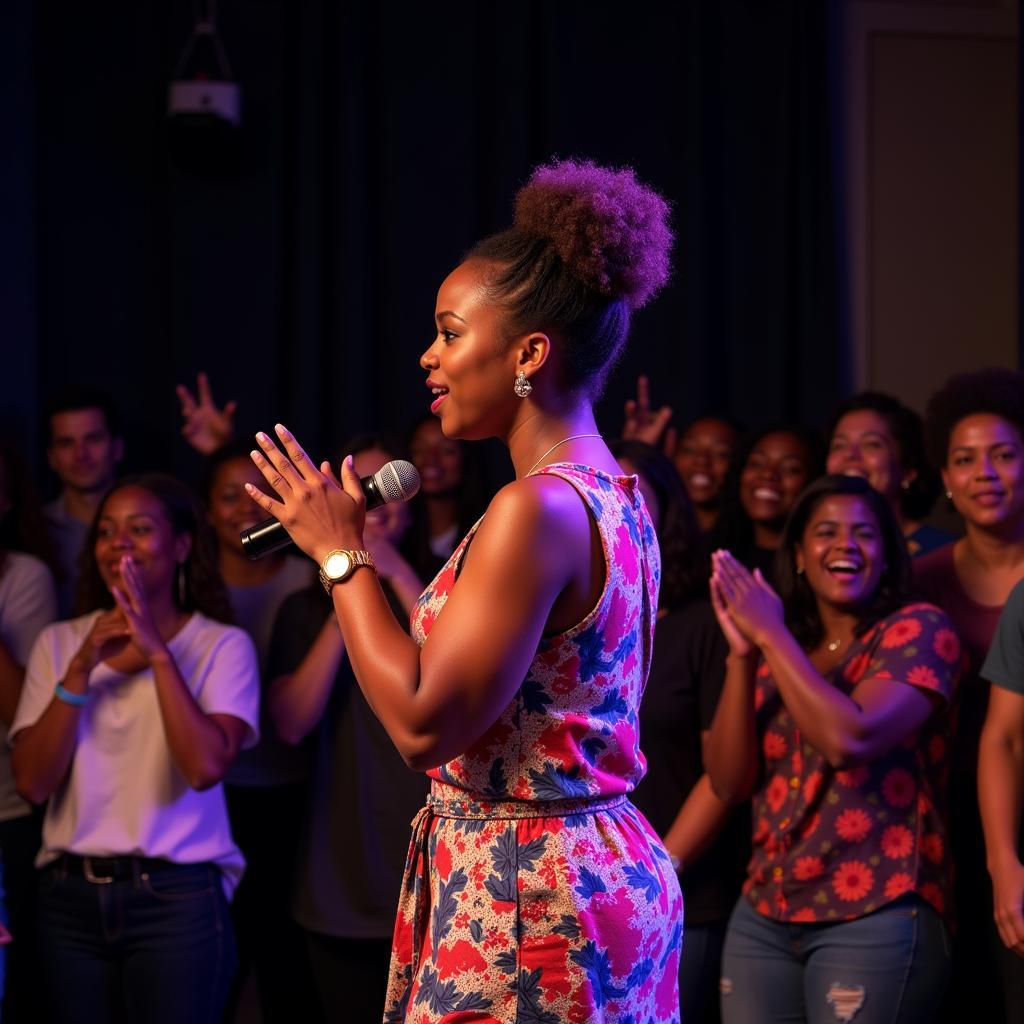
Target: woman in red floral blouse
833, 717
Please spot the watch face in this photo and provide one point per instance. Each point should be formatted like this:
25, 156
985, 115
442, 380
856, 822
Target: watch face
337, 565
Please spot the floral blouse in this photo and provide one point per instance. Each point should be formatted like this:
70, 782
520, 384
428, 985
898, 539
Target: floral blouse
835, 845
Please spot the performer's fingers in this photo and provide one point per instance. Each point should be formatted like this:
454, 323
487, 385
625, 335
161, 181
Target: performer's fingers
275, 508
299, 459
350, 481
275, 467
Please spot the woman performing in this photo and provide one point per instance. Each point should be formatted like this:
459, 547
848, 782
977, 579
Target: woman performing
833, 716
533, 890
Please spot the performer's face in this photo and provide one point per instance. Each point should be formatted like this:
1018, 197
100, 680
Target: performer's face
469, 360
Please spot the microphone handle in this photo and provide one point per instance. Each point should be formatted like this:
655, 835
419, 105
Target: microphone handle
269, 536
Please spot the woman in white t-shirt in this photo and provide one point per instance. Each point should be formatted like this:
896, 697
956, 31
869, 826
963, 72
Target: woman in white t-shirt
128, 720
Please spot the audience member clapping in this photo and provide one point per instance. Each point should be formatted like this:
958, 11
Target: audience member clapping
834, 716
128, 721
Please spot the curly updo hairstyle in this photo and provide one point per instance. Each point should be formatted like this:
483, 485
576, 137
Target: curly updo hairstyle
588, 246
996, 391
204, 589
907, 429
894, 587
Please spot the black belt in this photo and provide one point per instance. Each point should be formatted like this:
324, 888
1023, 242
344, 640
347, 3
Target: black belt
103, 870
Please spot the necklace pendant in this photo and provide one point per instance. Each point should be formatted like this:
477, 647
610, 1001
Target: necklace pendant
834, 645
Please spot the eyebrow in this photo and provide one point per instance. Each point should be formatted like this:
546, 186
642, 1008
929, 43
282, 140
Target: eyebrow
448, 312
133, 515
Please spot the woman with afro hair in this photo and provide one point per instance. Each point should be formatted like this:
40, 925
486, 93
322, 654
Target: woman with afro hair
534, 890
975, 428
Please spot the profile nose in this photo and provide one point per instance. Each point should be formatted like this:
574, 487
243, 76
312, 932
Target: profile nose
429, 359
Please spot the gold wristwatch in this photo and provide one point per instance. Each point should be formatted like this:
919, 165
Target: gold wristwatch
339, 564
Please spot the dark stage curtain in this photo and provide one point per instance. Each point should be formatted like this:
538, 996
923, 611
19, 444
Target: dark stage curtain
379, 141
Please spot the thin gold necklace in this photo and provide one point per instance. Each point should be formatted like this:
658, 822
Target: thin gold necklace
565, 440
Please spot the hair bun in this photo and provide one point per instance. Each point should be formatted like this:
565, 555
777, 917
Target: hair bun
609, 229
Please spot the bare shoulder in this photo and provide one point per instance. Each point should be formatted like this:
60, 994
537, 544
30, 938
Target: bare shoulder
544, 503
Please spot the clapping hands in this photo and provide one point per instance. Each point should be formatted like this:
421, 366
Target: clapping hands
746, 606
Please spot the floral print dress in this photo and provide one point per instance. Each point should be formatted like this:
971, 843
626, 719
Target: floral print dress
534, 891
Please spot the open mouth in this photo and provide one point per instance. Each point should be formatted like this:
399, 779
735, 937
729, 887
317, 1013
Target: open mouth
440, 394
844, 568
767, 494
700, 480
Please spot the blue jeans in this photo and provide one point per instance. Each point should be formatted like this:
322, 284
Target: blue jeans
889, 967
153, 946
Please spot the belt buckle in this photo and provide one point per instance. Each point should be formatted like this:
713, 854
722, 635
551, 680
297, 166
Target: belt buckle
91, 876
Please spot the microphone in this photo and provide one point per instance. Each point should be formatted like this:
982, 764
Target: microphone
395, 481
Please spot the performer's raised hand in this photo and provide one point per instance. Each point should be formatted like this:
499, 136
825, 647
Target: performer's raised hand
206, 427
320, 511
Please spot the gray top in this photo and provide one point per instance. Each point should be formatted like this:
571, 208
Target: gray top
1004, 665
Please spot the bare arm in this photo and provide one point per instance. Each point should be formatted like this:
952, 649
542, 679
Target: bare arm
699, 820
437, 701
1001, 798
202, 745
849, 730
296, 701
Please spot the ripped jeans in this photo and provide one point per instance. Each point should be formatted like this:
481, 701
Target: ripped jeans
889, 967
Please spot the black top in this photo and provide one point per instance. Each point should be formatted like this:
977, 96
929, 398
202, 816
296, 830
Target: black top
687, 675
362, 796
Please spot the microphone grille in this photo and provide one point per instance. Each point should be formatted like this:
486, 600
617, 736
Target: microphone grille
397, 481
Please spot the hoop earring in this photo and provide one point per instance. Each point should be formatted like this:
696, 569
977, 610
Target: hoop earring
522, 386
182, 586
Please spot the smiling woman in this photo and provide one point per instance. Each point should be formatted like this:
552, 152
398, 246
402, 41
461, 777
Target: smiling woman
833, 717
128, 720
534, 890
975, 427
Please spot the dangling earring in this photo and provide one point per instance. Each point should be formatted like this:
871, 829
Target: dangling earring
949, 495
522, 386
182, 585
799, 570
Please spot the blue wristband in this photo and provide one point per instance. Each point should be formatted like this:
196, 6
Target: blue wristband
76, 700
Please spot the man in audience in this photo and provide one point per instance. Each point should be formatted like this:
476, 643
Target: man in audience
83, 446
